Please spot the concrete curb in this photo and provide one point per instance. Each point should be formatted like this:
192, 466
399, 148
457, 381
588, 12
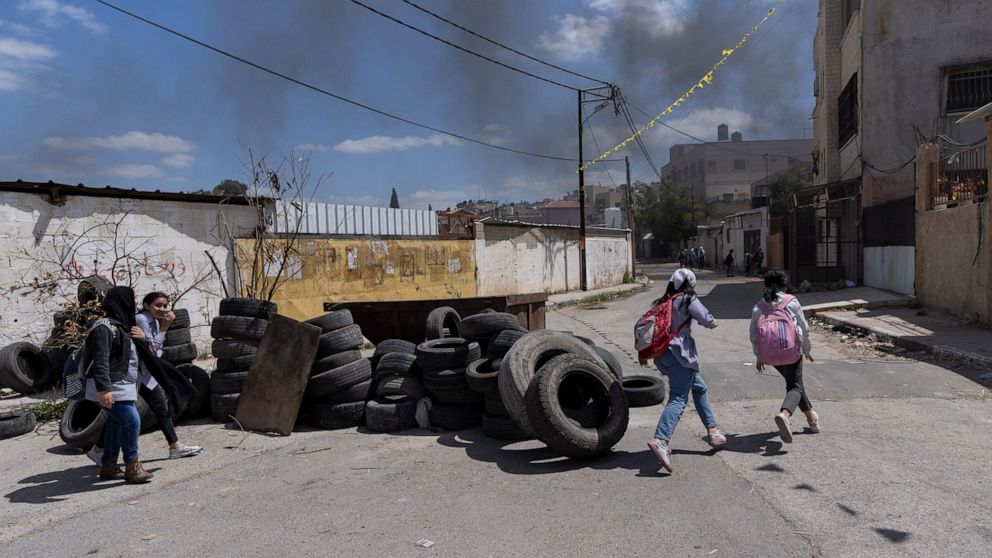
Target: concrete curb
815, 309
577, 297
917, 346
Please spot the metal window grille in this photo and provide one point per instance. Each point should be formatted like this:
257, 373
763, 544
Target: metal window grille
967, 91
959, 178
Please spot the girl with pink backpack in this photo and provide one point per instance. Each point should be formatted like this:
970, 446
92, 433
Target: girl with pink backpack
780, 337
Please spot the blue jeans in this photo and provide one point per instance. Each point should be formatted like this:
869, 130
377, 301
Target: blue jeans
121, 432
681, 380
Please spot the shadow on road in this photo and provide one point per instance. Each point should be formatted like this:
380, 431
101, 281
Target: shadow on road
733, 301
755, 443
48, 488
541, 460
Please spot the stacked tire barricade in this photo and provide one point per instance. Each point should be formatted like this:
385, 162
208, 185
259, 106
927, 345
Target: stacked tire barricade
236, 332
340, 378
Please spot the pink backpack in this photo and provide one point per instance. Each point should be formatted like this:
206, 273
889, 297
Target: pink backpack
778, 340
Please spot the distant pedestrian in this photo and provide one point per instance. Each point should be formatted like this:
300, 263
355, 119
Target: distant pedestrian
780, 337
759, 261
682, 257
729, 263
680, 363
702, 257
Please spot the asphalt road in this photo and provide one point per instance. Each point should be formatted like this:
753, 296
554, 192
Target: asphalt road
900, 469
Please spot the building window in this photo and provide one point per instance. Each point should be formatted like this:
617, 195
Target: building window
970, 90
847, 111
848, 8
728, 197
740, 164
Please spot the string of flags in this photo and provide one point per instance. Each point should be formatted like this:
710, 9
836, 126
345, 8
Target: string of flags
707, 79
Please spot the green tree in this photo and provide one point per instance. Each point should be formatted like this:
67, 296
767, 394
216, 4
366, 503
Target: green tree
666, 210
782, 184
230, 187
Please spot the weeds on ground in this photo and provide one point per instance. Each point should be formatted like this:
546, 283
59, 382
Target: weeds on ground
50, 409
628, 278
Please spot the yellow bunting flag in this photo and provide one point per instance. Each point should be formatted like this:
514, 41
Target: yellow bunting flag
707, 79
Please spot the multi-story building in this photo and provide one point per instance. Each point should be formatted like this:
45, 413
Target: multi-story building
889, 77
723, 170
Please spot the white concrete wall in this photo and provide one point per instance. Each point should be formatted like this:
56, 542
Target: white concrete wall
167, 239
891, 267
513, 259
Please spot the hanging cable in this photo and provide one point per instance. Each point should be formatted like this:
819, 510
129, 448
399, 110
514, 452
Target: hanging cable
596, 144
511, 49
463, 49
334, 95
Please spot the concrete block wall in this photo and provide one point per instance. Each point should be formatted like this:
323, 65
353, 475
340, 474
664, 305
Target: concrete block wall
167, 238
518, 259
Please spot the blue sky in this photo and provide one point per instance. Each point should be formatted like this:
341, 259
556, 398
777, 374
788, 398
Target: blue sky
92, 96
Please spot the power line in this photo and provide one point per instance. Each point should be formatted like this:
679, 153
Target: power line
463, 49
491, 41
637, 137
330, 94
596, 144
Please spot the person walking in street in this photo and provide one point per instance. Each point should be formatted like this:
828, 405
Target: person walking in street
116, 369
150, 326
748, 259
680, 362
759, 261
729, 263
780, 337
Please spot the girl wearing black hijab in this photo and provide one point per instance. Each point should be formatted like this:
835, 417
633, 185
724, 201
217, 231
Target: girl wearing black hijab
114, 373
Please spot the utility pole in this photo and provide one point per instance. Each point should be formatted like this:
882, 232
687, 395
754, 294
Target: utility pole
603, 101
582, 208
630, 219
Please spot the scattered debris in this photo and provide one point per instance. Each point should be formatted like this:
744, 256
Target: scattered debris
426, 543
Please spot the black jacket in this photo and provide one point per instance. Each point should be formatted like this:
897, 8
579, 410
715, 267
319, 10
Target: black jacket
109, 352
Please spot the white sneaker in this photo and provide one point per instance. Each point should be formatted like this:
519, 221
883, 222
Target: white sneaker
784, 431
184, 451
95, 456
662, 452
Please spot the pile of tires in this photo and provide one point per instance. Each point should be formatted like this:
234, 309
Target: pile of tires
340, 378
82, 422
236, 332
483, 377
24, 368
396, 388
179, 347
559, 389
443, 364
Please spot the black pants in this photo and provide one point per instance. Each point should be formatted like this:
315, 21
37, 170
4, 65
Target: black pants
159, 404
795, 393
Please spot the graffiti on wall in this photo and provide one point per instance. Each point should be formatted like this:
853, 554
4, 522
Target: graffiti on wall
127, 267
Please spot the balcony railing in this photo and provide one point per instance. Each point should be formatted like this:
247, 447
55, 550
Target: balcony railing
959, 178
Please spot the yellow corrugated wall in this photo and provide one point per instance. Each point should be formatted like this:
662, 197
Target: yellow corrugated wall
368, 270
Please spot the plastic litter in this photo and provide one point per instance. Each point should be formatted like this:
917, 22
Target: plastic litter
426, 543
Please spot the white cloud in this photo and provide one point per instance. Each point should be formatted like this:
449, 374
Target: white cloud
26, 51
496, 133
20, 61
136, 141
661, 18
51, 13
702, 123
134, 171
18, 28
378, 144
437, 199
576, 37
179, 160
319, 148
9, 81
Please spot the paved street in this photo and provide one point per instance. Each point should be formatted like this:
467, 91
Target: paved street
900, 469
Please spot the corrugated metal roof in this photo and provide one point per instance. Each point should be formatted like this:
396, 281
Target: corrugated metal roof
335, 219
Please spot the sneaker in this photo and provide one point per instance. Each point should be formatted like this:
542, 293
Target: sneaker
784, 431
184, 451
662, 452
95, 456
814, 425
716, 439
